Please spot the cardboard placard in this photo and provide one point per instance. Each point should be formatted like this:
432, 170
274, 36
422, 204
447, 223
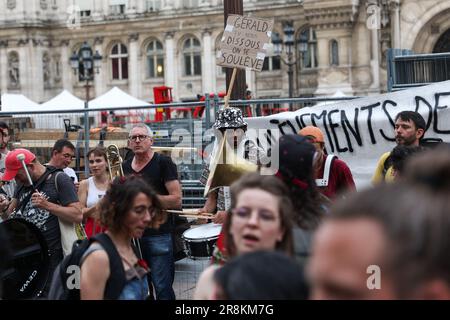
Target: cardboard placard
245, 42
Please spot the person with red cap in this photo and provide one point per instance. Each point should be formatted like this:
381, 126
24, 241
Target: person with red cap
333, 176
51, 196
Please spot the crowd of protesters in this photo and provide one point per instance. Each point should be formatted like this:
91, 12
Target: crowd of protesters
303, 233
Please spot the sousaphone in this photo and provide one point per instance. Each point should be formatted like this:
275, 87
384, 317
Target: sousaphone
226, 167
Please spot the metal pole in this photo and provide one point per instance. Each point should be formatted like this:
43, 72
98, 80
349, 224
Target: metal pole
207, 110
86, 132
290, 74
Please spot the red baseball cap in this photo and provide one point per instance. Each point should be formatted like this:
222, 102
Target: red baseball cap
12, 164
312, 132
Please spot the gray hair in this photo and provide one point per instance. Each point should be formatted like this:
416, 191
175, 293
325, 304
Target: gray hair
144, 126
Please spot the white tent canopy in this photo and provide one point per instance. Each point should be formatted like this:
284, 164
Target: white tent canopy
63, 101
18, 102
116, 98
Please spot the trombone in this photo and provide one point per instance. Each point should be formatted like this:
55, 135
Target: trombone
116, 171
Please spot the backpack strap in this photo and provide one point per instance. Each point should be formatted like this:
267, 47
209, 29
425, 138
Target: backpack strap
116, 280
326, 172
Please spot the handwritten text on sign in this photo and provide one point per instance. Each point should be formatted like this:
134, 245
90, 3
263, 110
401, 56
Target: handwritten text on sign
244, 42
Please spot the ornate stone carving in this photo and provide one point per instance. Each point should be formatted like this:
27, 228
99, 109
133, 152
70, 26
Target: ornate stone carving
64, 43
46, 70
98, 40
44, 4
13, 70
169, 34
133, 37
37, 42
3, 43
11, 4
57, 67
23, 42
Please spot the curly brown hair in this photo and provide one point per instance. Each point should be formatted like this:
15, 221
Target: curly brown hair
118, 201
273, 186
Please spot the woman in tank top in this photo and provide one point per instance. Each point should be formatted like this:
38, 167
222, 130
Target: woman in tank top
129, 207
93, 189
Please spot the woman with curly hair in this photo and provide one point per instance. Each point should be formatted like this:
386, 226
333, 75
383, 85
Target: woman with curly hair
129, 206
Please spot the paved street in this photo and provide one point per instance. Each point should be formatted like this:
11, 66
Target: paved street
187, 272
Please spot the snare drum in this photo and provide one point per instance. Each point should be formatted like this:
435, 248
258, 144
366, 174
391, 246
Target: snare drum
199, 241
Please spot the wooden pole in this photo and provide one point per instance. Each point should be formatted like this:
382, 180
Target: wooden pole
230, 87
240, 88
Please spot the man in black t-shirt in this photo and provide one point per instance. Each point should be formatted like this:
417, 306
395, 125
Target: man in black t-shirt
161, 173
41, 208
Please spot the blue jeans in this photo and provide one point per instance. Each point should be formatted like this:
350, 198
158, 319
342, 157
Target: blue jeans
157, 250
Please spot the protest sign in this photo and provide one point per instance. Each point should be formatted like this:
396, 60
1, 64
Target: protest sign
245, 42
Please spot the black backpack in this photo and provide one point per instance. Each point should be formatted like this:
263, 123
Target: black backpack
66, 279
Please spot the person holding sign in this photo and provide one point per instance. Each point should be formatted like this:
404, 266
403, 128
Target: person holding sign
409, 130
229, 119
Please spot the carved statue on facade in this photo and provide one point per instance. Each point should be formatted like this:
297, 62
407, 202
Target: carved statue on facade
14, 70
46, 69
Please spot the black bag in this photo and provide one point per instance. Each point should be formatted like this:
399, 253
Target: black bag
66, 279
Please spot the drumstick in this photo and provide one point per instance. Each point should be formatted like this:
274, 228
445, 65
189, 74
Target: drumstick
195, 216
189, 212
21, 158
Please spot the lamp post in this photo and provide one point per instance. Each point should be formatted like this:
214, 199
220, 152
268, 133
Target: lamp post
84, 64
289, 44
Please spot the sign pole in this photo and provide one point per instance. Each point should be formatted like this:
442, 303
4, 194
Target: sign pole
230, 87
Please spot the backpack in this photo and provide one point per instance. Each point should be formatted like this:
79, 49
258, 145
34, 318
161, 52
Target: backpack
66, 279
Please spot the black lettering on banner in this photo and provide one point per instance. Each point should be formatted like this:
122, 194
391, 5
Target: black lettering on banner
369, 119
392, 122
332, 127
354, 130
297, 119
280, 125
324, 116
301, 119
292, 126
436, 109
430, 110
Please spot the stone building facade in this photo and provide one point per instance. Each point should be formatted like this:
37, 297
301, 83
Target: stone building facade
147, 43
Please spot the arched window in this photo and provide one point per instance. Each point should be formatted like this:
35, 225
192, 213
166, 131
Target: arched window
119, 62
307, 46
192, 54
272, 62
155, 60
334, 53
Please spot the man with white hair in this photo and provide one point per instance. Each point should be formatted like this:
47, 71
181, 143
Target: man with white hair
161, 173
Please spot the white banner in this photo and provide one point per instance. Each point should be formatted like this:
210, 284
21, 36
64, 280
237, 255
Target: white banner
359, 131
